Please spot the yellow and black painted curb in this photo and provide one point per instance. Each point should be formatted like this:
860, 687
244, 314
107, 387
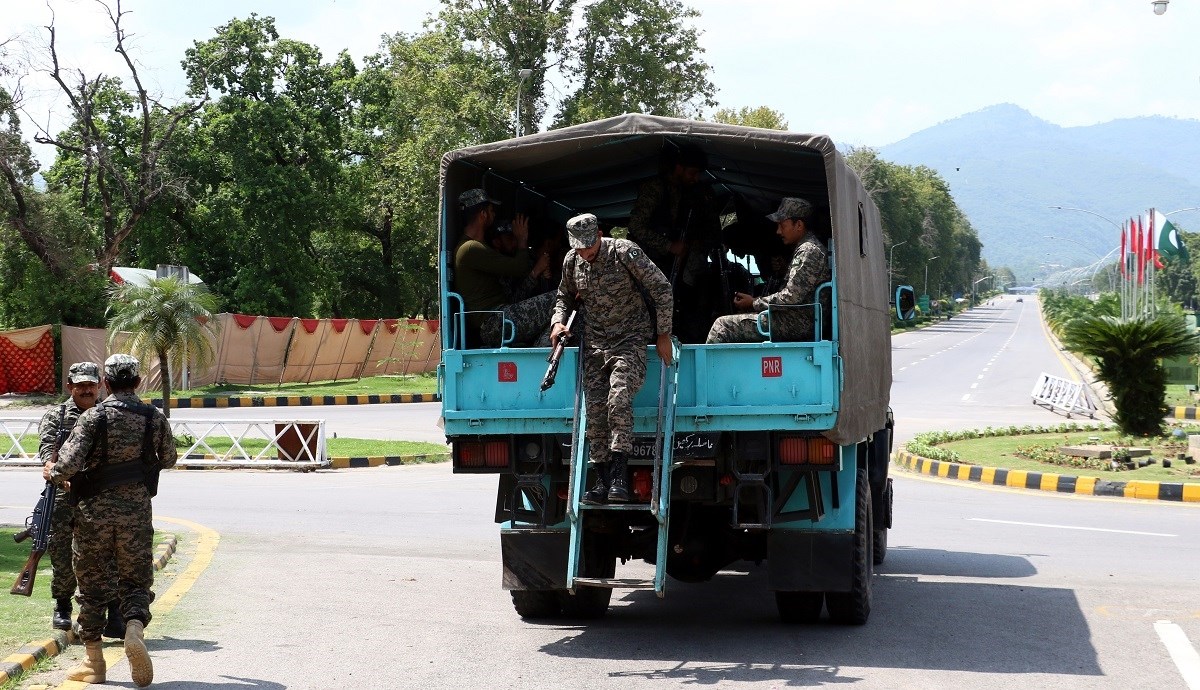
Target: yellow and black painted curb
1184, 412
390, 460
25, 658
296, 400
1045, 481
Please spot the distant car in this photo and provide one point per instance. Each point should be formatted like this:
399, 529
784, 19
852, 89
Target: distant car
1020, 299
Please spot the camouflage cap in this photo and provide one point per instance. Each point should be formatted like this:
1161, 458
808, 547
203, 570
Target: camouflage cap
475, 197
84, 372
583, 231
792, 207
121, 366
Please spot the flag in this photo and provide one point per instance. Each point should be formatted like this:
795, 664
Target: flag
1139, 250
1166, 236
1123, 261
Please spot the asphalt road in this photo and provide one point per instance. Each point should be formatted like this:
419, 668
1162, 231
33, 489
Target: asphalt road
389, 577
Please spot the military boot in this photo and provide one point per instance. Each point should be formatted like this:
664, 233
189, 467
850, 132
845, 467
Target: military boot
135, 648
114, 629
93, 668
599, 492
62, 614
618, 480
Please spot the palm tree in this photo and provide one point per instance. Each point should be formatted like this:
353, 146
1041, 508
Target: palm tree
166, 318
1128, 355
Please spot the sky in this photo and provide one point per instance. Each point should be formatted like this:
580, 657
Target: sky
865, 72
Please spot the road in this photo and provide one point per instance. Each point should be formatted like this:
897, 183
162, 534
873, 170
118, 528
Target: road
389, 577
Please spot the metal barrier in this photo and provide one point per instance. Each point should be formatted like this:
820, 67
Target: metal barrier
1055, 393
292, 444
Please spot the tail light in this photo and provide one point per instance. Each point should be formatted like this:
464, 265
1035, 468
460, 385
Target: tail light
481, 455
641, 485
807, 450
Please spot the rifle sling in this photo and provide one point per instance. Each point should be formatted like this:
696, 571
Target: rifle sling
107, 476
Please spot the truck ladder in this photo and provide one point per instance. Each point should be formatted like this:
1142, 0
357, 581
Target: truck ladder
660, 493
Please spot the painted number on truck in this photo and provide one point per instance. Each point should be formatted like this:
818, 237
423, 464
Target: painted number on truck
506, 372
772, 367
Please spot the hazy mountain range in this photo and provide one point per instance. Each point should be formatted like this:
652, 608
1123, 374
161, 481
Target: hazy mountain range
1007, 167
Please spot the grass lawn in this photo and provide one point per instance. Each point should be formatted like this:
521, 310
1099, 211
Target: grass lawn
374, 385
27, 619
1002, 451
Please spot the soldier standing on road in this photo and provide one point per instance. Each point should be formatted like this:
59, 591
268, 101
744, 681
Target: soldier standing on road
610, 276
113, 458
83, 383
809, 268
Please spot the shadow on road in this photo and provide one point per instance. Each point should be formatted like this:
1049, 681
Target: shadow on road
234, 684
727, 630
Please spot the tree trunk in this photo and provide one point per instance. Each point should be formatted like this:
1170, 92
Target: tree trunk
164, 370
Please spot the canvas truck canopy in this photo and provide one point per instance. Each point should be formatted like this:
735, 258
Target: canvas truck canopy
598, 167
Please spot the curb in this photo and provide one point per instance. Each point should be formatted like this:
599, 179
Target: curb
296, 400
1045, 481
1184, 412
389, 460
25, 658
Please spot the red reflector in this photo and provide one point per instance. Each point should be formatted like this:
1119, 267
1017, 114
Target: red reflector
488, 454
800, 450
562, 492
506, 372
641, 485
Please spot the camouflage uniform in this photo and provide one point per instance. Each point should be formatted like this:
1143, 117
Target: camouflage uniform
809, 268
62, 583
617, 328
658, 219
119, 520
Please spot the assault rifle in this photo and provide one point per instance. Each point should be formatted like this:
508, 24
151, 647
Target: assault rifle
38, 527
556, 356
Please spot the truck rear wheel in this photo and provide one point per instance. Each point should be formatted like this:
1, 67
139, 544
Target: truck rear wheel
799, 607
535, 604
854, 607
599, 560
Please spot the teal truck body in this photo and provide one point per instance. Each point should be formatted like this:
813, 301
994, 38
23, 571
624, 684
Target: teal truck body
775, 453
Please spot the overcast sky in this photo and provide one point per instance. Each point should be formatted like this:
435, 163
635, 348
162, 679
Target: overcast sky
866, 72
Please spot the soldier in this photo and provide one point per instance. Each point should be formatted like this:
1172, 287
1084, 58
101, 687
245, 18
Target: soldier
674, 221
809, 268
479, 267
113, 458
83, 383
609, 277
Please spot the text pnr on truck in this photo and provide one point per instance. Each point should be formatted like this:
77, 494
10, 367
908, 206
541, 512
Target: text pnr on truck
769, 456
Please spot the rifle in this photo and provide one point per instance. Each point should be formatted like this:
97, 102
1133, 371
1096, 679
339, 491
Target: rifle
726, 293
556, 356
38, 527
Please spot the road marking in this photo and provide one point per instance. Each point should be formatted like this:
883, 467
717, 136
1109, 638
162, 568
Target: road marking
1086, 529
1182, 652
966, 397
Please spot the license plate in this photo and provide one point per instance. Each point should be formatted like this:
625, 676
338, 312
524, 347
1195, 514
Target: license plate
691, 445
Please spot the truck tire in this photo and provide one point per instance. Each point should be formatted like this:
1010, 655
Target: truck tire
535, 604
880, 537
599, 560
854, 607
879, 546
799, 607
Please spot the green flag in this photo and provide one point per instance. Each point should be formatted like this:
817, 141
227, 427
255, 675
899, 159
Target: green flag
1166, 237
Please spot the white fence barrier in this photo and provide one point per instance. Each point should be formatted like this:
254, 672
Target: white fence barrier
292, 444
1058, 393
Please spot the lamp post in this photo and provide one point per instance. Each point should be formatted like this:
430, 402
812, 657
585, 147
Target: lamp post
1181, 210
891, 251
927, 262
521, 77
1159, 6
973, 288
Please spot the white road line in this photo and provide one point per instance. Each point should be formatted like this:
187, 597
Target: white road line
966, 397
1087, 529
1182, 652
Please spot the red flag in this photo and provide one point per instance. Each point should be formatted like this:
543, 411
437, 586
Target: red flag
1138, 250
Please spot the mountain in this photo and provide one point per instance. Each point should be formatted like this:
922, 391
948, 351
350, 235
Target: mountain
1007, 168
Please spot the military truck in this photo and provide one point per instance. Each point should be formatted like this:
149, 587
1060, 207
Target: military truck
770, 453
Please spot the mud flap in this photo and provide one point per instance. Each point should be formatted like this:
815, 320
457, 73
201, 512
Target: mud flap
809, 561
534, 559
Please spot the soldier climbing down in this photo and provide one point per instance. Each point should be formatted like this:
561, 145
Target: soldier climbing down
608, 277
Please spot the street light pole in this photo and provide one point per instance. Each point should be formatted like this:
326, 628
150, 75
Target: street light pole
927, 262
891, 251
521, 77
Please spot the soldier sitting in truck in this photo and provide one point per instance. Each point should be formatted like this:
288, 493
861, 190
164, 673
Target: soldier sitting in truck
809, 268
479, 267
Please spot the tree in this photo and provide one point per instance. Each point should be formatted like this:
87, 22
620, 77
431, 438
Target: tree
636, 56
762, 117
118, 141
1127, 355
168, 319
